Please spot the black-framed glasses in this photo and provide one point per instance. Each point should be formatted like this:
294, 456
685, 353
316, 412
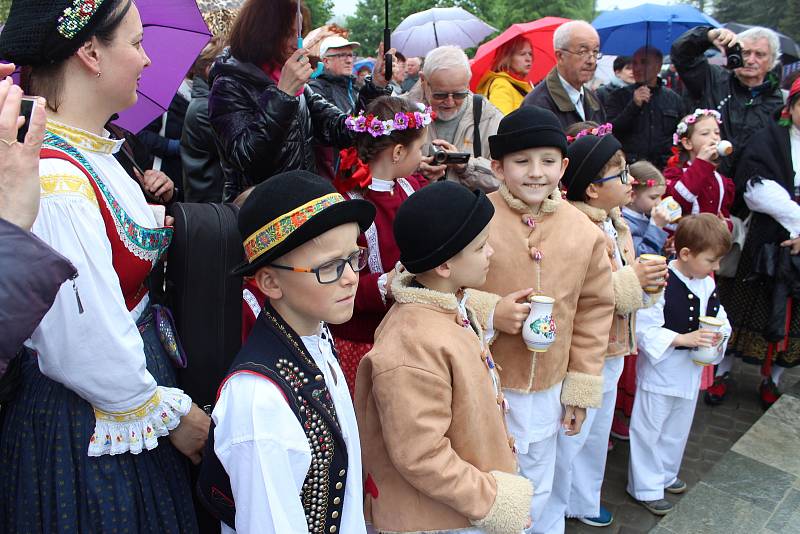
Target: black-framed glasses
331, 271
584, 53
457, 96
624, 177
342, 54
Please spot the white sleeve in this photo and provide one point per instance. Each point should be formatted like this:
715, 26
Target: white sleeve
98, 354
654, 341
726, 331
262, 447
768, 197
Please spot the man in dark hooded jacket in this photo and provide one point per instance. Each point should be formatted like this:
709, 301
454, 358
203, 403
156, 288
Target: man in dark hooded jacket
746, 97
337, 83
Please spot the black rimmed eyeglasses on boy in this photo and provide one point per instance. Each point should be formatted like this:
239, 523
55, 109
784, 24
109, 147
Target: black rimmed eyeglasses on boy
624, 177
331, 271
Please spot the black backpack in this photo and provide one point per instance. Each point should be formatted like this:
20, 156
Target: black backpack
205, 299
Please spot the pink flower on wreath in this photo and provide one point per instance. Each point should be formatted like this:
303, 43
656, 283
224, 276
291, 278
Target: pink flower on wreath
691, 119
400, 121
419, 118
360, 124
375, 128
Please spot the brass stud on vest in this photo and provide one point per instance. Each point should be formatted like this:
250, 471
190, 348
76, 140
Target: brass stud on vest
338, 485
337, 500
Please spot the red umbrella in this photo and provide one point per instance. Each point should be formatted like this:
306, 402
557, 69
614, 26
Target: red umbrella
539, 33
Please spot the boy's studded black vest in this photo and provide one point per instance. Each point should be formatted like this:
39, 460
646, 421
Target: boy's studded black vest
682, 308
276, 352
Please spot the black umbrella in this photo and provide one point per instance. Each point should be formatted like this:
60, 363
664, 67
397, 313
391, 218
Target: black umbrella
788, 45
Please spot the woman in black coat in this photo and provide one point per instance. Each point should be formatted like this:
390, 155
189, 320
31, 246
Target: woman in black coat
763, 301
265, 118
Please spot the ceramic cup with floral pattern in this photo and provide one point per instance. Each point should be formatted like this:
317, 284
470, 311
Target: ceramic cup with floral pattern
539, 329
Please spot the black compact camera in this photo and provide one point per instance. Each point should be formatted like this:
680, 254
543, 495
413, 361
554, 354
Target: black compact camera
734, 55
442, 157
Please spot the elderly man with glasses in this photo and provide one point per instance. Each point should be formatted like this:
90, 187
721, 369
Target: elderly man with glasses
337, 83
463, 122
563, 92
747, 97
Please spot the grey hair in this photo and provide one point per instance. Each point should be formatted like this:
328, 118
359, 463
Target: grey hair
445, 57
563, 33
758, 32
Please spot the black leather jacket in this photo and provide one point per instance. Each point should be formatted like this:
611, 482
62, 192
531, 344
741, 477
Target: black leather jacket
261, 131
202, 173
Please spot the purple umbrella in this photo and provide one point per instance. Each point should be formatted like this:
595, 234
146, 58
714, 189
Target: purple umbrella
174, 35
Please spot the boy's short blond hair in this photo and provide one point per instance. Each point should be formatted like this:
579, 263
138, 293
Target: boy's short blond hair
703, 232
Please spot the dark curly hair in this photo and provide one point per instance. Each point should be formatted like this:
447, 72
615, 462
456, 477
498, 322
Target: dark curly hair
385, 108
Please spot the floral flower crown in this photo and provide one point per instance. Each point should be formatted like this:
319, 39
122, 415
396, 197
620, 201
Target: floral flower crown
599, 131
698, 114
402, 121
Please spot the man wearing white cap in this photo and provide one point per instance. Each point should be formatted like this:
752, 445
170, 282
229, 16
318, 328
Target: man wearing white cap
336, 83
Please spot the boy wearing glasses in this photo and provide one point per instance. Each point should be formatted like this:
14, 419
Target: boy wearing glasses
437, 457
598, 185
283, 453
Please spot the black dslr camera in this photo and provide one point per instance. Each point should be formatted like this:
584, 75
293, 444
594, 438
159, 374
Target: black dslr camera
442, 157
734, 55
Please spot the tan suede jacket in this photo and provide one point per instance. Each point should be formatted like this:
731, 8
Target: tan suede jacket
575, 271
433, 436
628, 293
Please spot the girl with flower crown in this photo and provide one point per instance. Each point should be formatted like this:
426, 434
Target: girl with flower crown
644, 215
380, 168
692, 177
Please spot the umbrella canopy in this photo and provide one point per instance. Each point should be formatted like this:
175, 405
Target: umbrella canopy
174, 35
789, 46
539, 33
421, 32
624, 31
363, 62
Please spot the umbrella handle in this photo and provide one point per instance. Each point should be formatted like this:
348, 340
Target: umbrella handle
387, 58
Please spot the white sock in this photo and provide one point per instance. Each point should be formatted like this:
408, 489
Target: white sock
776, 373
725, 365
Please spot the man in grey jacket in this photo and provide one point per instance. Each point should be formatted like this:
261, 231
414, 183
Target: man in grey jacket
32, 271
444, 85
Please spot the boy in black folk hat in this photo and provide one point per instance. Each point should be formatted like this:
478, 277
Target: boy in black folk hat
544, 243
436, 454
283, 453
597, 185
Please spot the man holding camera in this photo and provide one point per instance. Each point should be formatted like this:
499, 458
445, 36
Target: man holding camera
746, 93
457, 146
645, 113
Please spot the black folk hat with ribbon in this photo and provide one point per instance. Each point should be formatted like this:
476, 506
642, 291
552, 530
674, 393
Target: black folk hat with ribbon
41, 32
290, 209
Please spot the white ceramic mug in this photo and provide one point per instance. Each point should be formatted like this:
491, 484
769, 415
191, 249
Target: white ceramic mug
644, 258
706, 355
672, 207
539, 329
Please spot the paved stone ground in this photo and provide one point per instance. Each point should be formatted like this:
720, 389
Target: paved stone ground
714, 432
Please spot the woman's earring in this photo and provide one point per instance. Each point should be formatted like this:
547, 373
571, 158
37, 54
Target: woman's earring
99, 74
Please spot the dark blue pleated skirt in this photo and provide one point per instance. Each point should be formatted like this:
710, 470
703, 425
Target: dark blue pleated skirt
50, 484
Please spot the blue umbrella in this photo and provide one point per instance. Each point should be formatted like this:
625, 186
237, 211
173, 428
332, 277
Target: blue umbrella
624, 31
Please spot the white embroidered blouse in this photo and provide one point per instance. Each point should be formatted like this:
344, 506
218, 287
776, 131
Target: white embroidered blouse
99, 354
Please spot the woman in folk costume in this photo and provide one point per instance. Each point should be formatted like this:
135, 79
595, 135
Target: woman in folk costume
79, 442
504, 84
379, 169
763, 312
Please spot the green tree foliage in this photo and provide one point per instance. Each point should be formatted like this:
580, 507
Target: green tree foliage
5, 5
321, 11
781, 15
366, 25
